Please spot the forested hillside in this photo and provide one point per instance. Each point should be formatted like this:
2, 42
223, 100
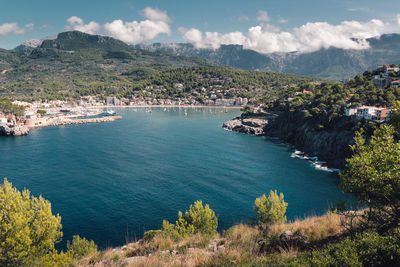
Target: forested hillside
76, 64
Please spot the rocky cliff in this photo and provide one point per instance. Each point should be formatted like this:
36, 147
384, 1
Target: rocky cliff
329, 143
13, 130
249, 125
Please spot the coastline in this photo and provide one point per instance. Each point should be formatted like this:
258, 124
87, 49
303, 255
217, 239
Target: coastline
326, 150
72, 119
158, 106
69, 121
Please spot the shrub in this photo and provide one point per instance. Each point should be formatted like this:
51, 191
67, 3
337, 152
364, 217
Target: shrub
372, 175
199, 219
149, 235
272, 209
246, 109
341, 254
368, 249
28, 229
80, 247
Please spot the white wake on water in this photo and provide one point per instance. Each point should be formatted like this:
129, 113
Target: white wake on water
318, 164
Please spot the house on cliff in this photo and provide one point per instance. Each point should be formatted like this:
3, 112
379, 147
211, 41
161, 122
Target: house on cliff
369, 113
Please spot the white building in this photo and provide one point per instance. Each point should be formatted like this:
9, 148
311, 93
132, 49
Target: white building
366, 112
350, 111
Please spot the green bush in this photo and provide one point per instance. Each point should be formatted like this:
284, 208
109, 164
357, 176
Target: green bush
80, 247
341, 254
368, 249
199, 219
246, 109
149, 235
272, 209
372, 175
28, 229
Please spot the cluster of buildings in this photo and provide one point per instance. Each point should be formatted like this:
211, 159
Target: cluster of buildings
369, 113
385, 79
388, 77
145, 101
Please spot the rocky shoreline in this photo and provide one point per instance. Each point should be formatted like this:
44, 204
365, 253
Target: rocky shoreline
247, 125
20, 129
13, 130
330, 145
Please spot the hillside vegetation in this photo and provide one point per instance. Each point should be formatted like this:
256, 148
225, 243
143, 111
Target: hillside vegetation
77, 64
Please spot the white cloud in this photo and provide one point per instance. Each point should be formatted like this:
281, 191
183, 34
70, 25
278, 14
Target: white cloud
270, 28
263, 16
14, 28
135, 32
398, 19
312, 36
283, 20
155, 14
211, 40
77, 24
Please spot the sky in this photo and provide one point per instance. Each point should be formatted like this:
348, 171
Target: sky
264, 26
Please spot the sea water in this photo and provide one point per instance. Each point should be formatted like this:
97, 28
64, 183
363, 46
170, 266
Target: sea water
111, 182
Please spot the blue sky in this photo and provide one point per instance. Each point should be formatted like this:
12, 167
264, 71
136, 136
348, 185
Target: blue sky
188, 21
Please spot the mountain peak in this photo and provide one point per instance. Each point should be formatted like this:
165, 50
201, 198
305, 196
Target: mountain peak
75, 40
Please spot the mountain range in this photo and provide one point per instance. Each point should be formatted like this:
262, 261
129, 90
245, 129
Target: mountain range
65, 62
331, 63
74, 64
75, 56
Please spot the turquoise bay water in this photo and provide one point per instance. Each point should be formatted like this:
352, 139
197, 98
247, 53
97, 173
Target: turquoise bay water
111, 182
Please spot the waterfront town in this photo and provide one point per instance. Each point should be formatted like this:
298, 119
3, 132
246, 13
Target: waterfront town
89, 109
92, 109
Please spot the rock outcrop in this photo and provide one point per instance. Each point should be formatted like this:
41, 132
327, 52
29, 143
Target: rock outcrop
13, 130
20, 129
329, 144
249, 125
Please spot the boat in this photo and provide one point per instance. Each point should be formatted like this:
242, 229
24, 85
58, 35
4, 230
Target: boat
111, 112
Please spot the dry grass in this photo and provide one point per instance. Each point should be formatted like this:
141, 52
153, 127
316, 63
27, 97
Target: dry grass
162, 243
231, 258
241, 233
314, 228
194, 258
241, 241
197, 241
